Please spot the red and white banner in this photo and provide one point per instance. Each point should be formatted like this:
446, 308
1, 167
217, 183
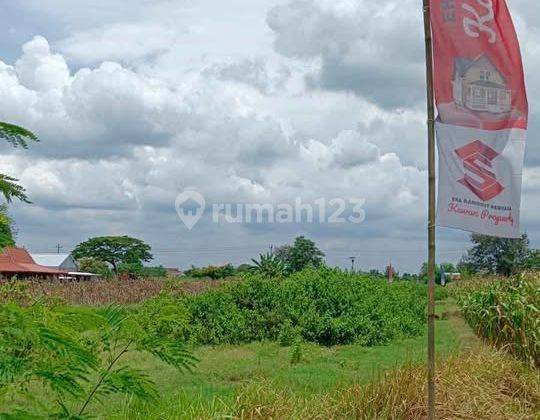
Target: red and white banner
482, 121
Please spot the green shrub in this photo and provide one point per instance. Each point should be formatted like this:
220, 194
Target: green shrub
164, 317
154, 272
288, 335
215, 319
325, 306
213, 272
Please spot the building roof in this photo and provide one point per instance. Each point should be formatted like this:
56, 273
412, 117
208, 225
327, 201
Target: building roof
462, 65
82, 274
18, 260
50, 260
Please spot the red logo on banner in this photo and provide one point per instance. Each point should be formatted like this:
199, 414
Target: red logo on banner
477, 158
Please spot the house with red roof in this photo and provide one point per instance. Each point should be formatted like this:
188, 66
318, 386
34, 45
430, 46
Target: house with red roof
17, 262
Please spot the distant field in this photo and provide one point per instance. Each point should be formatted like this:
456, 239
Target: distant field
103, 292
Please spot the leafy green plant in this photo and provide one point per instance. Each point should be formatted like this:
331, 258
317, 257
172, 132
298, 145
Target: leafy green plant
211, 272
93, 265
115, 250
492, 255
296, 352
18, 137
302, 254
289, 334
78, 354
269, 265
325, 306
506, 312
6, 231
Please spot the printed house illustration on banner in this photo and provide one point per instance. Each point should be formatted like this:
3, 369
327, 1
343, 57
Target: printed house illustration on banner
479, 86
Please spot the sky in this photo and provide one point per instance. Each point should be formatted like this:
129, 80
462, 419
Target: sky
244, 101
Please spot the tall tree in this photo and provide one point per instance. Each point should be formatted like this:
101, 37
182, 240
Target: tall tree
302, 254
493, 255
115, 250
18, 137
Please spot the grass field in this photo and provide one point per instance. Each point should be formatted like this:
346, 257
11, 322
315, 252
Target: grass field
263, 380
225, 371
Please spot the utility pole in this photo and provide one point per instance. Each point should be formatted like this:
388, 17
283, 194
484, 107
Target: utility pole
431, 211
352, 263
58, 248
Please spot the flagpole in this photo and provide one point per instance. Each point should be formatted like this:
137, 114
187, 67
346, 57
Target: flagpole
431, 213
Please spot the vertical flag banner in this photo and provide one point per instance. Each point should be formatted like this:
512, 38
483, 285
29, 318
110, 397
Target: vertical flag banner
482, 116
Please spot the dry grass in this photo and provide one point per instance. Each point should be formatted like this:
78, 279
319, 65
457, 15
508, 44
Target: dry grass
481, 384
101, 292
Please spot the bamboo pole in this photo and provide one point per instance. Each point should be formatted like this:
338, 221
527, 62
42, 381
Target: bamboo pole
431, 213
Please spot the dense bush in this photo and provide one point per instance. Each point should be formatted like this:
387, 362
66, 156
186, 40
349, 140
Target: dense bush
326, 306
506, 312
211, 272
138, 270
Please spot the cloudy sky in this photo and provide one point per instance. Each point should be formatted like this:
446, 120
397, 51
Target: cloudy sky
245, 101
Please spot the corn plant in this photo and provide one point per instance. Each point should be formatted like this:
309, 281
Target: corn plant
506, 312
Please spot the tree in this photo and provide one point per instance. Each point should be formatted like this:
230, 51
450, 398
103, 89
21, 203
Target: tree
6, 232
302, 254
114, 250
282, 253
447, 268
93, 265
18, 137
491, 255
212, 271
244, 268
138, 270
439, 269
533, 260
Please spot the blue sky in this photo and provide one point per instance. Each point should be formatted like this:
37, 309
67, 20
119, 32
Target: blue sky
245, 101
